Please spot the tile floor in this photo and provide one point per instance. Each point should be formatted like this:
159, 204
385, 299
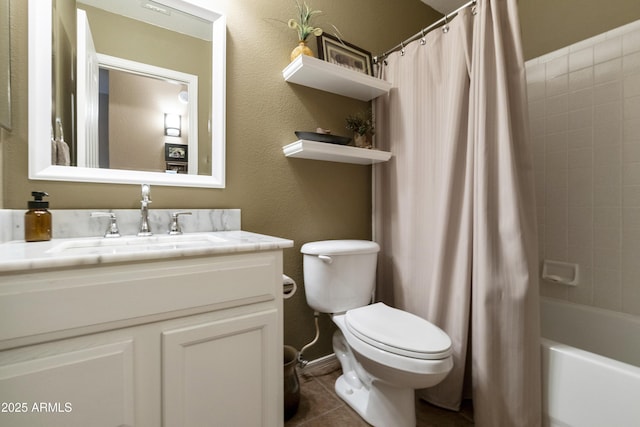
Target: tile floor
321, 407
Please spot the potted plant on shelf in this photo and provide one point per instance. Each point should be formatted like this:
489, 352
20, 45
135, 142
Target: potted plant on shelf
302, 24
361, 125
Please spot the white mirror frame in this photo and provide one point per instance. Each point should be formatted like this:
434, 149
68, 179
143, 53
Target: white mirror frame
40, 17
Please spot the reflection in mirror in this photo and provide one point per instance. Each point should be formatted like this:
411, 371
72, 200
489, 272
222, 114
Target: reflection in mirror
115, 75
133, 101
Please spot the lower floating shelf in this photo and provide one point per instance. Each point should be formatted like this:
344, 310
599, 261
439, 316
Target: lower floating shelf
304, 149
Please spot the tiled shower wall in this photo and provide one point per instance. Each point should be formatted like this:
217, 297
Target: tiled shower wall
584, 107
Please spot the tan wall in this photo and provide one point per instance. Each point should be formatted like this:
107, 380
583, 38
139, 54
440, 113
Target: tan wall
298, 199
548, 25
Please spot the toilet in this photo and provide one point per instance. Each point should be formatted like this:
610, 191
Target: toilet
385, 353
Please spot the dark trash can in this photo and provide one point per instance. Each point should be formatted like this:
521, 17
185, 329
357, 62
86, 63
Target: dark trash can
291, 383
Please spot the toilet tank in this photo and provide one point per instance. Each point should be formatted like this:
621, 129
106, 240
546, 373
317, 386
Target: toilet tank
339, 274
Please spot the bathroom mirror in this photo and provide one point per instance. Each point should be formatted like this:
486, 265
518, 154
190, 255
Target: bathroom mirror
202, 128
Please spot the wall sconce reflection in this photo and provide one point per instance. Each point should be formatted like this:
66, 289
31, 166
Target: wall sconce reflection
172, 124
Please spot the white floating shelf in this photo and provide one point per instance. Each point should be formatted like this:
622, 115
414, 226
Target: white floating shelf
318, 74
304, 149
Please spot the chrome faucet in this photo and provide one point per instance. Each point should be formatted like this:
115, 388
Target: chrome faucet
145, 230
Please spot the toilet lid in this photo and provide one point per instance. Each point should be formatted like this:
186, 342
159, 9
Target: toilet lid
340, 247
398, 332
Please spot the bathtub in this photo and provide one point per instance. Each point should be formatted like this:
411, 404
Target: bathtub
590, 366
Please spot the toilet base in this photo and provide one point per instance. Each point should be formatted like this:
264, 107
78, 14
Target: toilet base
379, 404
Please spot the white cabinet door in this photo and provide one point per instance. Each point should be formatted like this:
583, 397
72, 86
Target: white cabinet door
223, 373
60, 386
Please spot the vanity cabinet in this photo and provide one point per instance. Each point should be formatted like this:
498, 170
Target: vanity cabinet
193, 341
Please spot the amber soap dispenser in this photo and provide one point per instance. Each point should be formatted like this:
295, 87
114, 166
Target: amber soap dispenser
37, 220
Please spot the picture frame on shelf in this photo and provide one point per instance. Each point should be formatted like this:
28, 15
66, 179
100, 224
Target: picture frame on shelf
344, 54
176, 152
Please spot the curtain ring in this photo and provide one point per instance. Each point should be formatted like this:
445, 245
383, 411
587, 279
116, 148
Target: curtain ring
474, 8
423, 40
402, 50
445, 27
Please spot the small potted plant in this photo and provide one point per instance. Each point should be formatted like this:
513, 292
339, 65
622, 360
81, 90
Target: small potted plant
361, 125
302, 24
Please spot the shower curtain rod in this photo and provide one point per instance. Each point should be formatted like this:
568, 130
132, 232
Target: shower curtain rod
424, 31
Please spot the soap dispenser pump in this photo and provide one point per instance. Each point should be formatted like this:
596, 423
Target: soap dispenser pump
37, 220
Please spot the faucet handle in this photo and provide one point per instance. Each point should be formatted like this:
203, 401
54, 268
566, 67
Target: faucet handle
146, 193
175, 226
112, 231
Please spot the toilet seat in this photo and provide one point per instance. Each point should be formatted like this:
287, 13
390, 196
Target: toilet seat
398, 332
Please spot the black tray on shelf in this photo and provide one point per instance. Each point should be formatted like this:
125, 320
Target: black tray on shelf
323, 137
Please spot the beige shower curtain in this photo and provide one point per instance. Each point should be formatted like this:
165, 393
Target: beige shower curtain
454, 208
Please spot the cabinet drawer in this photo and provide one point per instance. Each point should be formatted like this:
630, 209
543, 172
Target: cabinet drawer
46, 302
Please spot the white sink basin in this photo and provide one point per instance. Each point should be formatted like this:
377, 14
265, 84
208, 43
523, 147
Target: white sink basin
132, 244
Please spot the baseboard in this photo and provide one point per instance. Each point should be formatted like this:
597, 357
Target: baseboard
321, 365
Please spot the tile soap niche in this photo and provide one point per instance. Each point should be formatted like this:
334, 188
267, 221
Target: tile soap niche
562, 273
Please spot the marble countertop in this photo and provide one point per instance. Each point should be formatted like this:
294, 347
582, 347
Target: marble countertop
20, 256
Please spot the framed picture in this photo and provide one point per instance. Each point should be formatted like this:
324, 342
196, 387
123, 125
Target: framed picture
344, 54
176, 152
177, 167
